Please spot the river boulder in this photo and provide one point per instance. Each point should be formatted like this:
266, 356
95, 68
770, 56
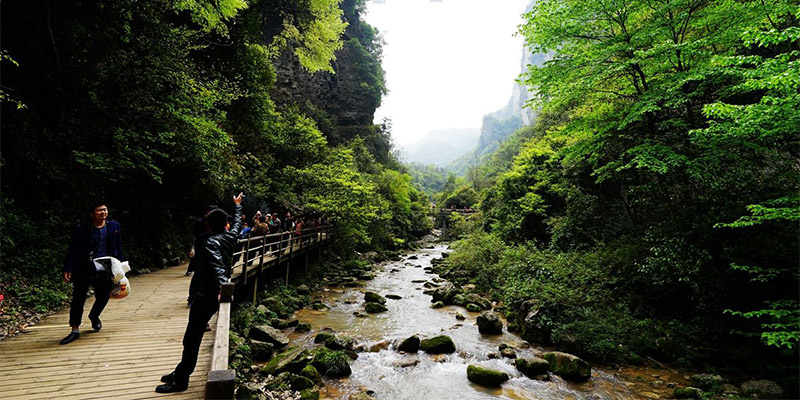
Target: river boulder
478, 300
532, 326
409, 345
372, 297
707, 381
302, 327
489, 323
292, 360
374, 308
532, 366
261, 351
441, 344
303, 289
340, 342
568, 366
323, 337
266, 333
394, 296
485, 377
311, 372
764, 389
437, 304
445, 293
472, 307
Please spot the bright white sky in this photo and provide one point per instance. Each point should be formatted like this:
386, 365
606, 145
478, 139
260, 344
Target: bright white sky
447, 63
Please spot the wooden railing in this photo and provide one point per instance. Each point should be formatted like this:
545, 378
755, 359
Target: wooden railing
257, 254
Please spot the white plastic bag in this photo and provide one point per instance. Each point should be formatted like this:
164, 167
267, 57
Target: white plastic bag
121, 289
118, 268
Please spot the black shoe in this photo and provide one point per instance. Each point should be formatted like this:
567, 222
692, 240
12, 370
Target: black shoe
168, 378
96, 323
171, 387
73, 336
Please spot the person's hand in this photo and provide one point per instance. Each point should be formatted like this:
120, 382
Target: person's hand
238, 199
67, 276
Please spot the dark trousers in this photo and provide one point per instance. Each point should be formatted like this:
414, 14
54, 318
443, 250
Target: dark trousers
101, 283
199, 315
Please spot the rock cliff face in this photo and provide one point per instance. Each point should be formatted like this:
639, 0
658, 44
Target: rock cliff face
344, 102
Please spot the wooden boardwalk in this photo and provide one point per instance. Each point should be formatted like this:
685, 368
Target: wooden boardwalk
139, 342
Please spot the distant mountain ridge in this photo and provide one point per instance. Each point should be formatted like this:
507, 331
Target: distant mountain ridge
442, 146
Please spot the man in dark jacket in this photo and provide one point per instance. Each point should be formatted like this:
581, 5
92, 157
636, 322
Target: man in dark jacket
211, 271
99, 238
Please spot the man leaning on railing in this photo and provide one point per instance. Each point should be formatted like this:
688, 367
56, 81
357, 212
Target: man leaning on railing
215, 254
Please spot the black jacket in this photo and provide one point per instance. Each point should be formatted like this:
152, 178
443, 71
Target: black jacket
214, 256
79, 254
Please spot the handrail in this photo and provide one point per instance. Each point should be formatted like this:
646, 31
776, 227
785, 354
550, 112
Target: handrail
221, 380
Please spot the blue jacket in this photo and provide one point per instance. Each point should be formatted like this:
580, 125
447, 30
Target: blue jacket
78, 258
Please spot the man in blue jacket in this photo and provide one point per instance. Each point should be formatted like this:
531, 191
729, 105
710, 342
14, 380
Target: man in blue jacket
214, 256
99, 238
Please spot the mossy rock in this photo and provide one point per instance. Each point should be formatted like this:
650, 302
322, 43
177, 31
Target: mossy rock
374, 308
331, 363
300, 382
441, 344
278, 323
687, 393
512, 327
319, 306
472, 307
707, 382
459, 300
309, 394
372, 297
489, 323
485, 377
302, 327
438, 304
340, 342
568, 366
323, 337
311, 372
532, 366
293, 360
409, 345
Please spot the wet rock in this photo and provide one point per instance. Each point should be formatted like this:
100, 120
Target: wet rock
485, 377
472, 307
366, 277
394, 271
359, 314
568, 366
478, 300
764, 389
292, 360
430, 285
460, 316
309, 394
707, 382
310, 372
278, 323
508, 353
340, 342
687, 393
319, 306
266, 333
441, 344
355, 284
445, 293
376, 347
303, 289
406, 362
409, 345
372, 297
300, 382
460, 300
492, 355
489, 323
302, 327
373, 308
532, 366
438, 304
261, 351
419, 281
412, 258
394, 296
360, 396
323, 337
445, 255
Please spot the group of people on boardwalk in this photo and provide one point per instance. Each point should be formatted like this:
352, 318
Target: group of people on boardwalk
213, 249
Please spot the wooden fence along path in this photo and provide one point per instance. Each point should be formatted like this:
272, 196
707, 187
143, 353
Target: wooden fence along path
140, 340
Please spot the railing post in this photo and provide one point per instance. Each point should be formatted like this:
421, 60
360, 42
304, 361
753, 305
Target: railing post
246, 260
289, 260
221, 380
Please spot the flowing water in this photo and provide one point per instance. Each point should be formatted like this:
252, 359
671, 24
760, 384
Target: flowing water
395, 376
